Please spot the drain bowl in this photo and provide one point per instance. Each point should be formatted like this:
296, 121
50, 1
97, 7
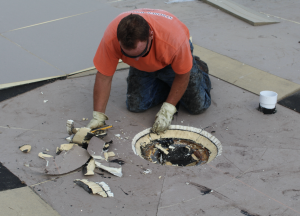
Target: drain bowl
179, 146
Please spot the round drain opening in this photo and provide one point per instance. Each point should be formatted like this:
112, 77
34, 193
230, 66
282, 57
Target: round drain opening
179, 146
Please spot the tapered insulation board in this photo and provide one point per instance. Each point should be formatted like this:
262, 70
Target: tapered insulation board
244, 13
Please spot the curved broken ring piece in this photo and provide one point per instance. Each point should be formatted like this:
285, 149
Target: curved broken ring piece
184, 140
66, 161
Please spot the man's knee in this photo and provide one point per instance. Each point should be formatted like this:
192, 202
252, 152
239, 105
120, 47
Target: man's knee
196, 111
197, 104
134, 106
135, 109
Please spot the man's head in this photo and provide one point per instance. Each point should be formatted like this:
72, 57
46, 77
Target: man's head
134, 36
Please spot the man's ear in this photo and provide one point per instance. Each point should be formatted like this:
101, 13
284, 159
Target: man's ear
151, 34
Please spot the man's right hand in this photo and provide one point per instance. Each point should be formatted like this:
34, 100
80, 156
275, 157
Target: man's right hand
98, 120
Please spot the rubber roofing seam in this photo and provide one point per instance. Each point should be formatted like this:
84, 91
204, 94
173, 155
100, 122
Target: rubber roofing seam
33, 54
280, 18
37, 24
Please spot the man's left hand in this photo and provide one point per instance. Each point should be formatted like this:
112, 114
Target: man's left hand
164, 118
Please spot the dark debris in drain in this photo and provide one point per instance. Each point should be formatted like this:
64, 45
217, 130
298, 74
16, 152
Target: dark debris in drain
177, 152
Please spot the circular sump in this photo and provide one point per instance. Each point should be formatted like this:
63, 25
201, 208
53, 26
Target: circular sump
179, 146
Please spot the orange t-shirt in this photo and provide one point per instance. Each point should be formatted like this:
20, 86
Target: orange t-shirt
170, 45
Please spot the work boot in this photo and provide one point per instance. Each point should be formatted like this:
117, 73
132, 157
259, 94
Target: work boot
202, 65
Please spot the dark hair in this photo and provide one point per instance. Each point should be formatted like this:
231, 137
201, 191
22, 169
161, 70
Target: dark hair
131, 29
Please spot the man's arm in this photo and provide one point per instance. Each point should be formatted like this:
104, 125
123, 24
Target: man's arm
164, 117
178, 88
101, 92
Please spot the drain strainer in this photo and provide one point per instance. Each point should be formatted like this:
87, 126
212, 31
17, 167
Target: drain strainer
179, 146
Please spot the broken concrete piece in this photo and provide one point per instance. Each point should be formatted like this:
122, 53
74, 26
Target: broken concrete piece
25, 148
90, 187
112, 170
66, 161
44, 155
80, 136
89, 169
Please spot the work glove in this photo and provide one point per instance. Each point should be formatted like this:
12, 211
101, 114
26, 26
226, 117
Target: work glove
163, 118
98, 120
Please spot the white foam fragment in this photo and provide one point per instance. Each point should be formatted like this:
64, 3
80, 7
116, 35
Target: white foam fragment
98, 157
106, 188
112, 170
70, 138
147, 171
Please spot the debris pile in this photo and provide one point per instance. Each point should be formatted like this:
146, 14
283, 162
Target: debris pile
101, 157
83, 135
174, 151
83, 150
178, 146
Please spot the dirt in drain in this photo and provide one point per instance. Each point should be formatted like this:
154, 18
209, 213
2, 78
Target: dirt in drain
172, 151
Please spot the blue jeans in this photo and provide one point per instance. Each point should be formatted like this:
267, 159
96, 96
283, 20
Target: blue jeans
146, 90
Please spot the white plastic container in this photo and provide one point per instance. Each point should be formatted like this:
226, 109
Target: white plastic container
268, 99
